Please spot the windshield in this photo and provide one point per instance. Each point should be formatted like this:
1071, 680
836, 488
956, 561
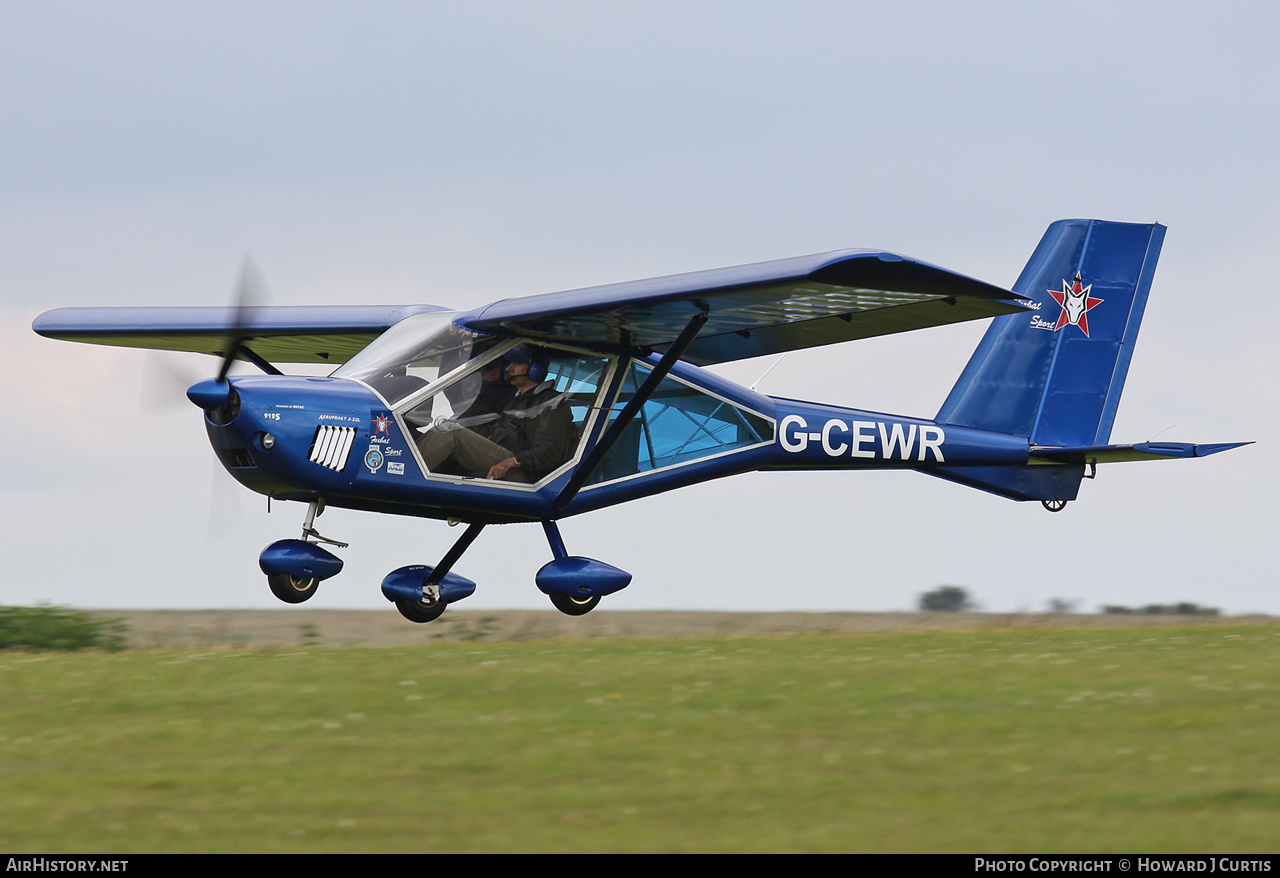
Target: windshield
414, 354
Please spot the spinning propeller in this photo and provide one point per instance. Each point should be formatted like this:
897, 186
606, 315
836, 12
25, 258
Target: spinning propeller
216, 395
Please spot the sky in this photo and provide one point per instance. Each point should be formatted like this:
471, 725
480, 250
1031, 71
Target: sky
458, 153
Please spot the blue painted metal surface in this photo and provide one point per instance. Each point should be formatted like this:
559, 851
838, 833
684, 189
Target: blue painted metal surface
581, 577
300, 558
1056, 375
405, 583
554, 539
1043, 376
210, 394
1017, 482
814, 436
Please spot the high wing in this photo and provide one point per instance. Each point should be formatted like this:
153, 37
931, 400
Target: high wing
277, 333
752, 310
757, 309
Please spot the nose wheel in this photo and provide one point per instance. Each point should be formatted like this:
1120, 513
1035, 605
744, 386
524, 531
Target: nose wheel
292, 589
294, 568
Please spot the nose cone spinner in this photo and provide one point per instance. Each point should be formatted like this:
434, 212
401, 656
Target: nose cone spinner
210, 394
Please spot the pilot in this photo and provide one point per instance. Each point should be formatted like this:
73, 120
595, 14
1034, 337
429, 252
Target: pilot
533, 435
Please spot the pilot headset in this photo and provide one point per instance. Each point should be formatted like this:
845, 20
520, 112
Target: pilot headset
536, 358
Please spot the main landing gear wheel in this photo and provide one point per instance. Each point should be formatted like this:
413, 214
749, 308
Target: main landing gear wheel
417, 611
571, 606
292, 589
1054, 505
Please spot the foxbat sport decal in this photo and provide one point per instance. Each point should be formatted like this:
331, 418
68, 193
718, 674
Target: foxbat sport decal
1076, 304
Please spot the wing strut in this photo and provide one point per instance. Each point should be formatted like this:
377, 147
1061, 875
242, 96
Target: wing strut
252, 357
628, 413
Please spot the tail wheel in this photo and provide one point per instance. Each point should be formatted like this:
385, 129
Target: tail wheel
292, 589
417, 611
1054, 505
572, 606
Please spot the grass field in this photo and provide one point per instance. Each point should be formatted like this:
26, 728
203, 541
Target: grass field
1090, 740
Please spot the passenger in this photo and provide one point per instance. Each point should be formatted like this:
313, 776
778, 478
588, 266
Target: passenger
485, 412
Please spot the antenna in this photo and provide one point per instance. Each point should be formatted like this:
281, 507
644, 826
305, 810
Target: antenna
770, 369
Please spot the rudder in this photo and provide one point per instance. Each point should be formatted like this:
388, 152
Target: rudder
1056, 375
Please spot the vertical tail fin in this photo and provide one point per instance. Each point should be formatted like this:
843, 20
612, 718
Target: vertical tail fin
1055, 375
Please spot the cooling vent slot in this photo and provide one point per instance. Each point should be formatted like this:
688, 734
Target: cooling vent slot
237, 458
331, 446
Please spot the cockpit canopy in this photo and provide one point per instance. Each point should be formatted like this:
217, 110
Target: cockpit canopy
418, 352
439, 377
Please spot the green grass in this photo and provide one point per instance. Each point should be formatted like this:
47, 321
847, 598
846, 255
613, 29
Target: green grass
1097, 740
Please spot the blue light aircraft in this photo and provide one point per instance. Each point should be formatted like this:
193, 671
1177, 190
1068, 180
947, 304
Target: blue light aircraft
538, 408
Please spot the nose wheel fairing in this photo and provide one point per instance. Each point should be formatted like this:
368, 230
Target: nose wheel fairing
299, 558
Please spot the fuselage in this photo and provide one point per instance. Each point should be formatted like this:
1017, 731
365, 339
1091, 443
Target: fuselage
339, 439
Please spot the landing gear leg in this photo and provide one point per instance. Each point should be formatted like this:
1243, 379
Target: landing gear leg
309, 533
431, 606
575, 585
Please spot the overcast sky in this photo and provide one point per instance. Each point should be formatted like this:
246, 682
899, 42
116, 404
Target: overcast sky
457, 153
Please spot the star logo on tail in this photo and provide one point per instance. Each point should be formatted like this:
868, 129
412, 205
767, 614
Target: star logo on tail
1076, 304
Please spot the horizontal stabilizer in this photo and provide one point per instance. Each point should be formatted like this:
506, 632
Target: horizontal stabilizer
1123, 453
1054, 473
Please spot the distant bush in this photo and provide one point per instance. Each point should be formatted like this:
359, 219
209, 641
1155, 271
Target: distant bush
945, 599
1186, 608
58, 628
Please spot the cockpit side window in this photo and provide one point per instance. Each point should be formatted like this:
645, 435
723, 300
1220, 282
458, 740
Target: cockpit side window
679, 423
516, 417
